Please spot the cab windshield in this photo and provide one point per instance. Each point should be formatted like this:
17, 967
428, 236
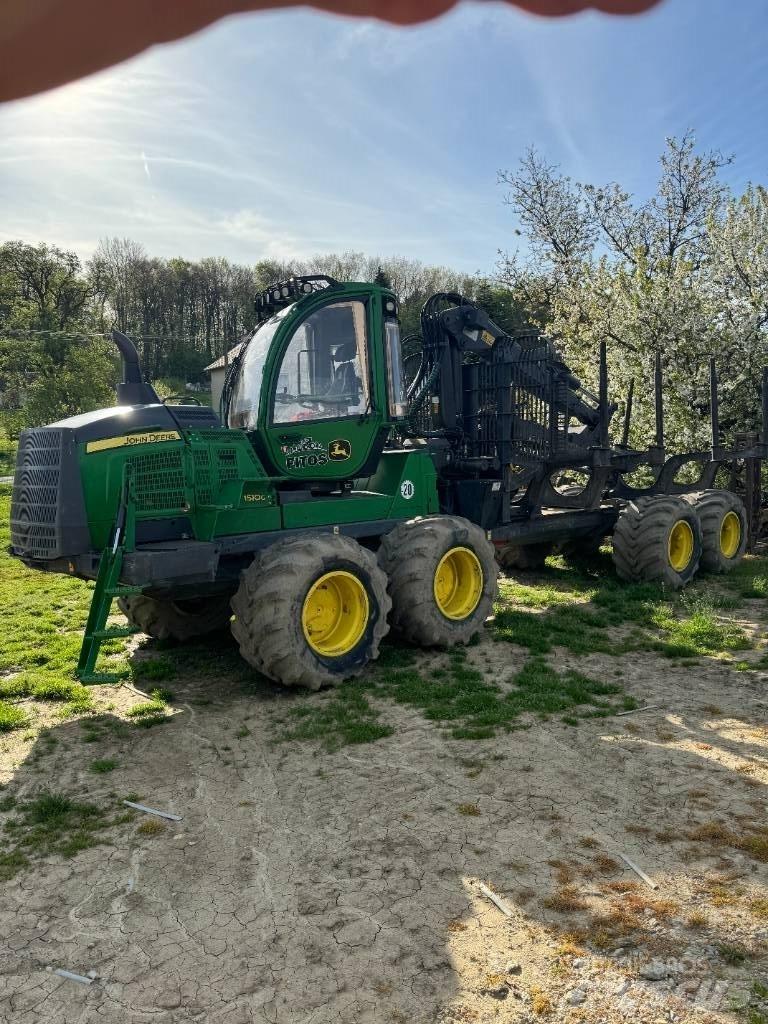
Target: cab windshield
244, 406
323, 373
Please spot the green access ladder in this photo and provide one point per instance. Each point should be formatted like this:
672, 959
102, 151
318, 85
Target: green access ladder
108, 587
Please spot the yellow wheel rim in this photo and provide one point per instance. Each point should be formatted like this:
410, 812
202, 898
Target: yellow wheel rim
458, 583
335, 614
730, 534
680, 545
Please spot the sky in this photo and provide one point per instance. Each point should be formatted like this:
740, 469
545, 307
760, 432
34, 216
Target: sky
292, 133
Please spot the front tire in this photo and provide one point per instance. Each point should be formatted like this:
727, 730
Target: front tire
442, 579
177, 620
658, 539
724, 528
311, 612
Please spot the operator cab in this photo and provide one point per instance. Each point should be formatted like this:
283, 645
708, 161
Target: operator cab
308, 386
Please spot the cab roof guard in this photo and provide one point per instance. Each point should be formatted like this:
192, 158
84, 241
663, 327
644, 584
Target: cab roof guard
281, 293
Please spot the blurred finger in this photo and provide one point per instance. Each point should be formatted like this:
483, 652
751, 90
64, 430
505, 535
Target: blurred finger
45, 43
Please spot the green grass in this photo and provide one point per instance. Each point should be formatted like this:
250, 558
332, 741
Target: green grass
342, 717
701, 633
146, 709
587, 610
153, 668
44, 688
103, 766
41, 621
456, 696
11, 717
50, 823
749, 579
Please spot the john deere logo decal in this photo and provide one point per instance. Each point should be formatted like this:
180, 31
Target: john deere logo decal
307, 453
339, 450
131, 440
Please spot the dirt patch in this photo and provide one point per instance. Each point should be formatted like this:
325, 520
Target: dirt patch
303, 885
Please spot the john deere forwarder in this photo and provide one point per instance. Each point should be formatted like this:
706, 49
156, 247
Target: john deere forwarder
347, 491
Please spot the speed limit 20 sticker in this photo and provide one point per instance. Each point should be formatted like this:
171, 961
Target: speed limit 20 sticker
407, 490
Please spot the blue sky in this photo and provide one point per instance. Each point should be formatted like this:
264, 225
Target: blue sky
292, 133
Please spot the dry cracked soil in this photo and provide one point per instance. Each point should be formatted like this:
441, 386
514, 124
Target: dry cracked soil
311, 887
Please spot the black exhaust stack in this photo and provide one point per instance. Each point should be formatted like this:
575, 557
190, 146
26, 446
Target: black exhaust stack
134, 389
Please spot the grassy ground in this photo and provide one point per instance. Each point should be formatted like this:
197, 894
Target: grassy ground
586, 609
449, 691
51, 823
41, 621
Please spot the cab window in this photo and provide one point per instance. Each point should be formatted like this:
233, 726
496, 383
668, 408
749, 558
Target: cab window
323, 374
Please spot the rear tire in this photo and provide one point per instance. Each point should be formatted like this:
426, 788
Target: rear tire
311, 612
658, 539
177, 620
442, 579
525, 557
724, 528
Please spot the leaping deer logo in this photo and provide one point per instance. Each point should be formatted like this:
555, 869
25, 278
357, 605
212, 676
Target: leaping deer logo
339, 450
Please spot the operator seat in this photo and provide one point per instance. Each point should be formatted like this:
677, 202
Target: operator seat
345, 385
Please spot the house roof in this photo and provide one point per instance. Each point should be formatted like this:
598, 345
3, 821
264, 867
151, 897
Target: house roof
224, 361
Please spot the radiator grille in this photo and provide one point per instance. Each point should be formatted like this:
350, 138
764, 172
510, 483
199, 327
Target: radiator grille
158, 479
226, 459
203, 476
214, 467
35, 498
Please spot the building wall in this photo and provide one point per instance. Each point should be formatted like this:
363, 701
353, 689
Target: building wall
217, 386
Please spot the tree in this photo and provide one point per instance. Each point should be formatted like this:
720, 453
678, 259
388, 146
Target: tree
49, 294
83, 381
381, 278
674, 273
45, 317
502, 305
112, 273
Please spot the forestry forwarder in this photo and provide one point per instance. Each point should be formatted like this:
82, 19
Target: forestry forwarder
350, 491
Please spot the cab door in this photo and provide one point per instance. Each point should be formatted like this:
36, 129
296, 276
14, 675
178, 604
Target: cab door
320, 415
